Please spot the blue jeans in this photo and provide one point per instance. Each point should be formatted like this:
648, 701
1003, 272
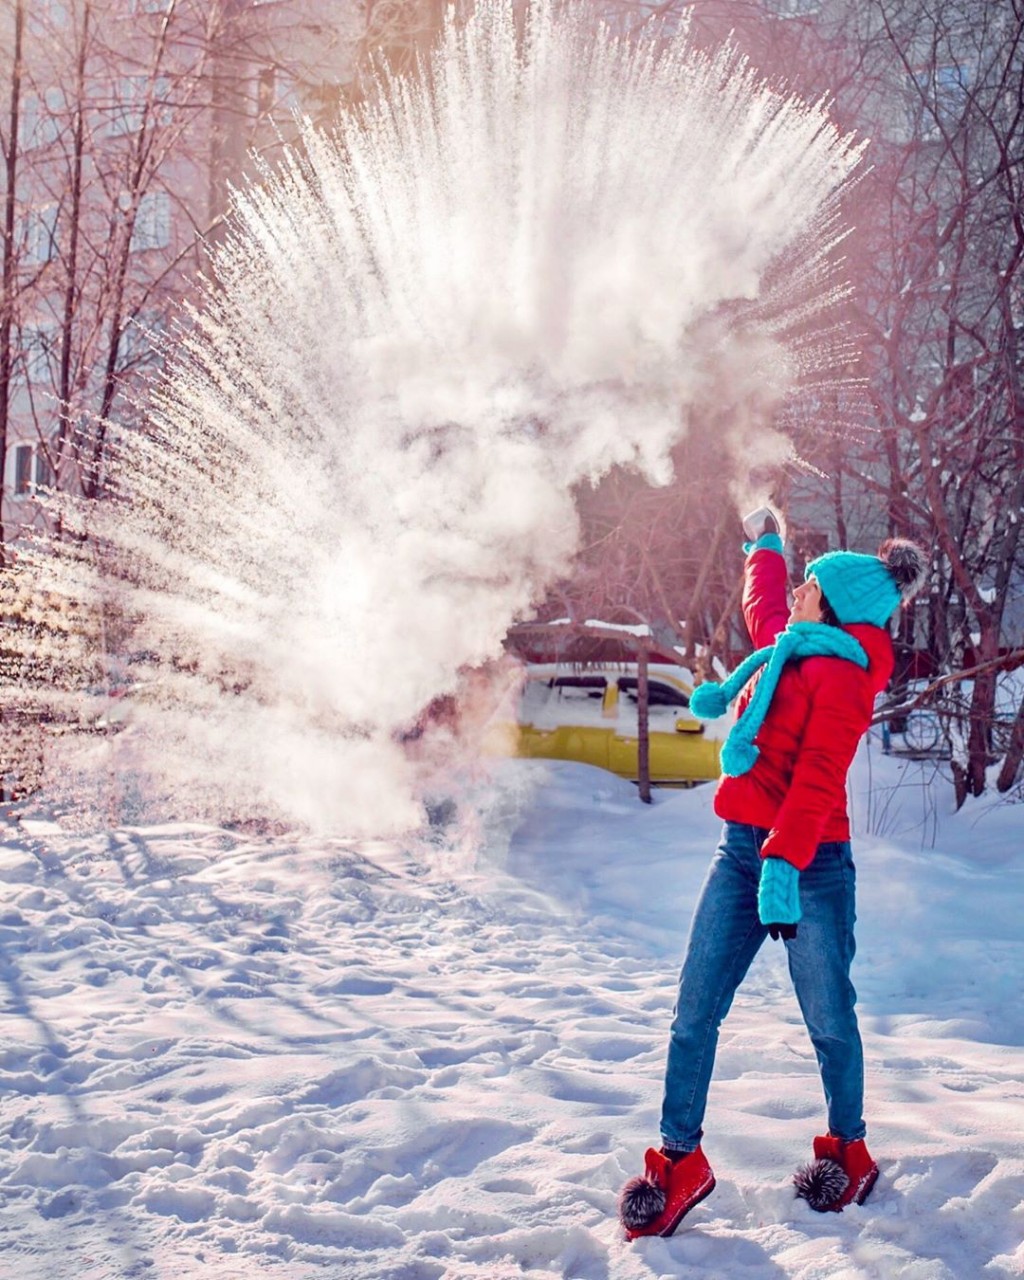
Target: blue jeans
724, 938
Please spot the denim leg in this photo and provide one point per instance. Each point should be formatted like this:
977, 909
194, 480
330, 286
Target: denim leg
724, 938
820, 957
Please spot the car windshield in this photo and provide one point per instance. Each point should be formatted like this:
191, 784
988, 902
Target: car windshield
570, 688
658, 693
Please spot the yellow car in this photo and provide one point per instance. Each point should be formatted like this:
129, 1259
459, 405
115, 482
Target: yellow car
590, 714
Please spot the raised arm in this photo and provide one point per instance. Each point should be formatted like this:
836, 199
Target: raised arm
765, 599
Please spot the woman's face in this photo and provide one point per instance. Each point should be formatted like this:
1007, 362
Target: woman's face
806, 602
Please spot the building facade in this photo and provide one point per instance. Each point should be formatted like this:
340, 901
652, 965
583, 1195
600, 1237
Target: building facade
125, 122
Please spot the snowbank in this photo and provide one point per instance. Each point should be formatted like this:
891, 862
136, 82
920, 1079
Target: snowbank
229, 1057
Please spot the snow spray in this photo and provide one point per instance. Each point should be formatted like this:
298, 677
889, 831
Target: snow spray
525, 266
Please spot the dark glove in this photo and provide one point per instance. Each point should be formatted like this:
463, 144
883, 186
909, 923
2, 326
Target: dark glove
778, 898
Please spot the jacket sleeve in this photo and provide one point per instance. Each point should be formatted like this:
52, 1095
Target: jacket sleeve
841, 706
765, 603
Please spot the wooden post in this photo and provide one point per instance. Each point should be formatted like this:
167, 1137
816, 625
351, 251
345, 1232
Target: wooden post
643, 737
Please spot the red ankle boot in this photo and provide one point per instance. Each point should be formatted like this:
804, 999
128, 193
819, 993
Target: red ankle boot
842, 1173
655, 1204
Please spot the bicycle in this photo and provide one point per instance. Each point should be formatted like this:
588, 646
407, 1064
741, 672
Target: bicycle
922, 731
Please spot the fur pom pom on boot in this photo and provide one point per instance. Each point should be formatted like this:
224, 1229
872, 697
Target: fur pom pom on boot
821, 1183
656, 1203
841, 1173
640, 1202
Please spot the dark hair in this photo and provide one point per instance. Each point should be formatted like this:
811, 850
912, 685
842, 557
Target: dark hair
828, 614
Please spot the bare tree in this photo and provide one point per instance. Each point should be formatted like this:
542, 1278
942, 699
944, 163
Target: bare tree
124, 155
926, 436
941, 315
9, 146
118, 141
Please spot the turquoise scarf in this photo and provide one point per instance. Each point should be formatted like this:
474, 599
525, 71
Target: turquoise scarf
798, 640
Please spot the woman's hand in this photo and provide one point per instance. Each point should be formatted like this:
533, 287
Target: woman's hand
778, 898
763, 520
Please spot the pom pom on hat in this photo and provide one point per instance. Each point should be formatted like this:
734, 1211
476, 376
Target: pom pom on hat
907, 563
869, 589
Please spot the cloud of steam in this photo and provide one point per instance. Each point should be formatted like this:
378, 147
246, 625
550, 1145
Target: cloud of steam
427, 327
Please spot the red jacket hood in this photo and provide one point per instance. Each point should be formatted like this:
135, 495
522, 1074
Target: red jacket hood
877, 644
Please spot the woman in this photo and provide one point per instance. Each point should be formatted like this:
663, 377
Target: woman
784, 866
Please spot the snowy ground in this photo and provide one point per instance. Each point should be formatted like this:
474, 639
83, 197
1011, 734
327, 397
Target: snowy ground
228, 1057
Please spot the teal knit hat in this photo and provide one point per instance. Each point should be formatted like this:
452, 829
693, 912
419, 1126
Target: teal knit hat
859, 588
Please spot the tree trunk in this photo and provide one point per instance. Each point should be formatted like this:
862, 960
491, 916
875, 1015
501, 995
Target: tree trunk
838, 506
960, 790
982, 713
7, 301
65, 429
643, 735
697, 595
141, 171
1014, 753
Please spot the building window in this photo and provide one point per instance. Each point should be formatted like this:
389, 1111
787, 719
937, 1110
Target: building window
41, 234
23, 470
39, 343
152, 228
952, 84
130, 96
808, 544
45, 477
47, 16
794, 8
33, 470
141, 340
41, 118
942, 95
265, 87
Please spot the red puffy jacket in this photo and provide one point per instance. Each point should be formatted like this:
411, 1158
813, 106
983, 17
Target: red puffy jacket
821, 708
